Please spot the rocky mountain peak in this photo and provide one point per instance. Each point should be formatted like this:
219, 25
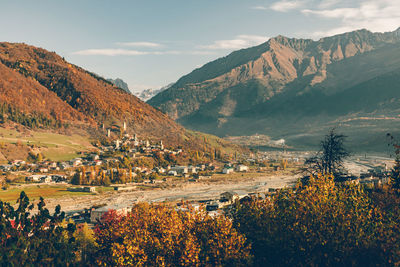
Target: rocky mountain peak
233, 85
297, 44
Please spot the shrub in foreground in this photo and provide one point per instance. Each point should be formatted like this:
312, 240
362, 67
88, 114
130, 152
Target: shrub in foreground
39, 239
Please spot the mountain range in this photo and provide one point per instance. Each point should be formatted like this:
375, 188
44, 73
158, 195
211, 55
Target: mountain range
295, 89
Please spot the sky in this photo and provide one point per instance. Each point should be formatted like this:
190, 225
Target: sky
151, 43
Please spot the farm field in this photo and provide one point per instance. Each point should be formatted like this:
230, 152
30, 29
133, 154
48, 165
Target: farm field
34, 192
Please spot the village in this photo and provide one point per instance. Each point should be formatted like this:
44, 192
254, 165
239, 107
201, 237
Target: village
122, 163
127, 163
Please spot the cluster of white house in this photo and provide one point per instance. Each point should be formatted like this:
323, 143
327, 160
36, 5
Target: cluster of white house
44, 166
183, 170
46, 178
238, 168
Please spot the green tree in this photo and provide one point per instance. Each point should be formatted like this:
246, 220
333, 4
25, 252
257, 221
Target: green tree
395, 174
153, 176
77, 178
85, 241
28, 239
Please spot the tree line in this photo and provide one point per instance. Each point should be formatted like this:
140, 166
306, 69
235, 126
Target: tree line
33, 120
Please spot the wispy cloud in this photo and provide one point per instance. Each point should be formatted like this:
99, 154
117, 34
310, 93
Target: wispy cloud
344, 13
259, 7
109, 52
241, 41
329, 3
374, 15
285, 6
139, 44
128, 52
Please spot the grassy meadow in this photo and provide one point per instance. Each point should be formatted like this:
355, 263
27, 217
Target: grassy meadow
52, 145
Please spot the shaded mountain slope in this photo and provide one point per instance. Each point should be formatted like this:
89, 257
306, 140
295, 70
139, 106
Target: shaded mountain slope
365, 112
298, 100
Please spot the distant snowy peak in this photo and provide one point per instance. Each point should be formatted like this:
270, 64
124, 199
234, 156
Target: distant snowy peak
147, 94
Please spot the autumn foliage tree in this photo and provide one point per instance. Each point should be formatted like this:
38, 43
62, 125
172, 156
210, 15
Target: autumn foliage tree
158, 235
320, 224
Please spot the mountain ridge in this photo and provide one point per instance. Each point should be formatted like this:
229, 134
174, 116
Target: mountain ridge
281, 92
274, 63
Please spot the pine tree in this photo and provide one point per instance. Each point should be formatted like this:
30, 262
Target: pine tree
329, 159
76, 178
395, 175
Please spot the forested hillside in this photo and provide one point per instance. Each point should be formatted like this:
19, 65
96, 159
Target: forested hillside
39, 88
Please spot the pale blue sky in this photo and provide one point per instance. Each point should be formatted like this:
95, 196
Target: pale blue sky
152, 43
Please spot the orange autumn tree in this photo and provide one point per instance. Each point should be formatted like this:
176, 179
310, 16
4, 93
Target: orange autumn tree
320, 224
158, 235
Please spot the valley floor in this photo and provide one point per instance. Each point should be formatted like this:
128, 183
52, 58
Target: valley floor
182, 189
186, 191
